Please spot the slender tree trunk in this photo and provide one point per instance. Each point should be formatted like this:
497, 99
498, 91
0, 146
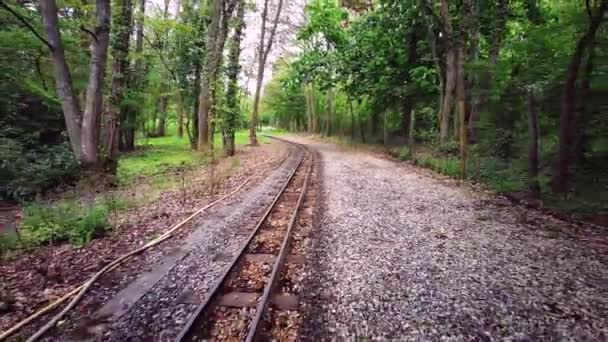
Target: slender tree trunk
308, 114
63, 79
195, 105
432, 40
560, 181
533, 184
361, 125
120, 73
162, 118
263, 51
412, 60
92, 108
234, 68
461, 94
208, 70
179, 99
331, 99
584, 111
450, 62
220, 41
486, 79
352, 119
412, 135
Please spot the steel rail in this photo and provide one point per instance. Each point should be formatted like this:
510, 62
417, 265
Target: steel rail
280, 261
189, 329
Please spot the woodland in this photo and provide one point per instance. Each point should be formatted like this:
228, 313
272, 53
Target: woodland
507, 93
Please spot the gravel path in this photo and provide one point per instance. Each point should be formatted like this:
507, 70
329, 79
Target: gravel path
401, 253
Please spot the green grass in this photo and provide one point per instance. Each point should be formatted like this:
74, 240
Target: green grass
163, 154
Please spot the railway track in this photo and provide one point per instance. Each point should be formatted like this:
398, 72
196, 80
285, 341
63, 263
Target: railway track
244, 301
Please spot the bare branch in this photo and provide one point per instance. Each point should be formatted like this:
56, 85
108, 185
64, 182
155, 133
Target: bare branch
89, 32
26, 23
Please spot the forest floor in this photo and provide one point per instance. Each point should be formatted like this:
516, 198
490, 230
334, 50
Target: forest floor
401, 251
163, 182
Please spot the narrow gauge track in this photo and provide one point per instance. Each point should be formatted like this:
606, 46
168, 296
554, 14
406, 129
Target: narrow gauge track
236, 305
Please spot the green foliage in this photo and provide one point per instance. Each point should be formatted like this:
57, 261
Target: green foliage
449, 148
448, 166
64, 221
28, 171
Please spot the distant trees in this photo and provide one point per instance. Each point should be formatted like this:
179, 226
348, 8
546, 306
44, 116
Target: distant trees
264, 48
518, 83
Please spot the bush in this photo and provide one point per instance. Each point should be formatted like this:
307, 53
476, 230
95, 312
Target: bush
405, 153
449, 148
447, 166
26, 172
64, 221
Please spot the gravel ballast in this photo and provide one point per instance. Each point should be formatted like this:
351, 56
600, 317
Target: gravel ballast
400, 253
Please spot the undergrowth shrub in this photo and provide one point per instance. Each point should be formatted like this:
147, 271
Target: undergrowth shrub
27, 171
446, 165
67, 221
448, 148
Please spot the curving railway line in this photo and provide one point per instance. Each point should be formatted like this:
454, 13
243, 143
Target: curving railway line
251, 283
256, 291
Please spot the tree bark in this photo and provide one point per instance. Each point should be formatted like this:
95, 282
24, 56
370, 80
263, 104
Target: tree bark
220, 41
480, 101
234, 67
411, 136
92, 108
584, 111
208, 70
63, 78
461, 94
128, 121
120, 73
533, 184
450, 63
560, 181
263, 51
163, 104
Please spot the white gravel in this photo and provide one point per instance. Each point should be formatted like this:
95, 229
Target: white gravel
402, 254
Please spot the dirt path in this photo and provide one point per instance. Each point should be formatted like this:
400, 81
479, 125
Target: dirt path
401, 253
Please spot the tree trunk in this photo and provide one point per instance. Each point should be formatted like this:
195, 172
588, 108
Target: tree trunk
162, 118
560, 179
120, 69
63, 79
450, 62
412, 60
584, 111
220, 41
486, 79
195, 105
352, 120
128, 120
331, 98
92, 108
533, 184
361, 126
180, 113
263, 51
208, 70
461, 94
412, 135
234, 67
